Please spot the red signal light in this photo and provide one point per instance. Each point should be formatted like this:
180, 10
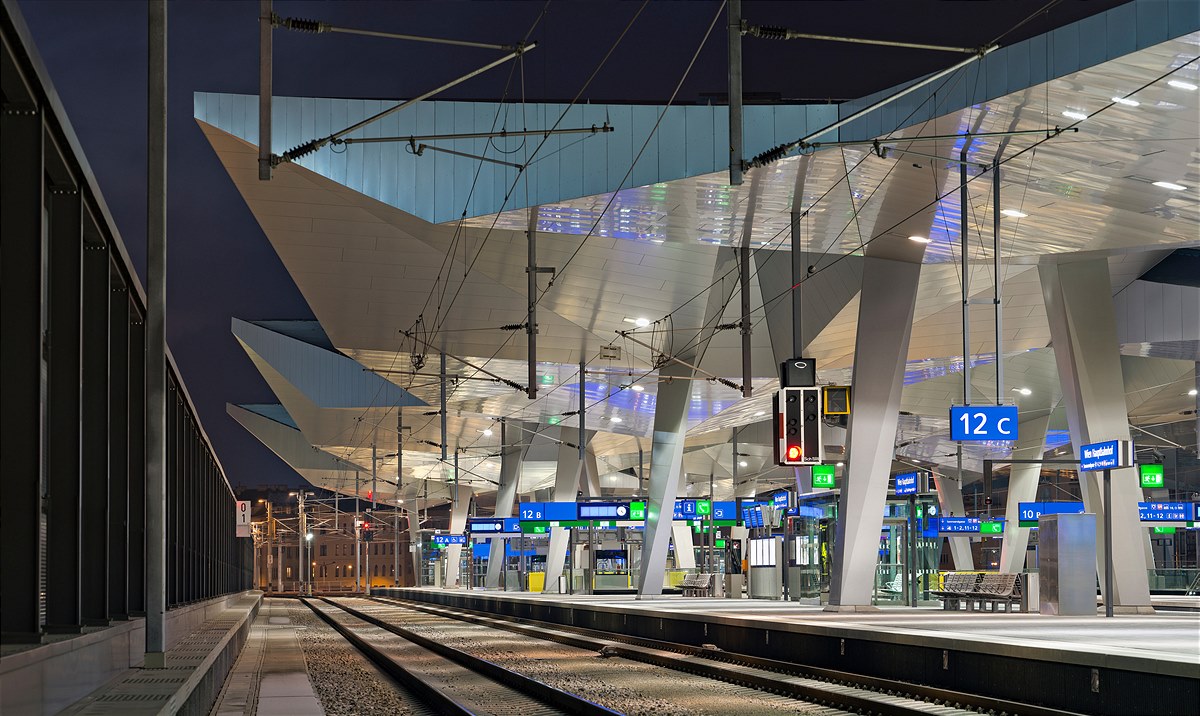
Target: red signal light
794, 452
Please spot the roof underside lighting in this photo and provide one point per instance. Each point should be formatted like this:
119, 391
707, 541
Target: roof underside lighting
1126, 101
1014, 213
1169, 185
920, 239
1072, 114
1180, 84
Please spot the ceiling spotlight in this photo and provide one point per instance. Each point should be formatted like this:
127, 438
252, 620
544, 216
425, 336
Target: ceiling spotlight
487, 432
615, 419
759, 414
1126, 101
1169, 185
1192, 392
641, 322
920, 239
743, 463
1023, 391
638, 388
1072, 114
841, 464
1014, 213
1180, 84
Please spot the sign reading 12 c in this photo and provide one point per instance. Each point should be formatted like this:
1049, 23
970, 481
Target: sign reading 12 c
983, 422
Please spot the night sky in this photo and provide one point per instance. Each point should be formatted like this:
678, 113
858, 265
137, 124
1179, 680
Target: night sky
221, 265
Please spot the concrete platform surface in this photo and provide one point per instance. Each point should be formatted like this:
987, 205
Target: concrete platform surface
270, 677
1168, 639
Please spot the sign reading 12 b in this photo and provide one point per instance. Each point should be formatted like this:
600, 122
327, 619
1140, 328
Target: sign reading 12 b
983, 422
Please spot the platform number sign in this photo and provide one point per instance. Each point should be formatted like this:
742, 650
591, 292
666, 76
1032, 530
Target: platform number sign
983, 423
242, 518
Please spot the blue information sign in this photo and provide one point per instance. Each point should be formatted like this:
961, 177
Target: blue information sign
1105, 455
1029, 512
960, 525
485, 525
532, 511
1166, 511
983, 422
906, 483
562, 511
449, 539
724, 510
781, 499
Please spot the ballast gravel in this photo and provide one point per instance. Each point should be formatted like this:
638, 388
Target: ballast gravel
623, 685
345, 681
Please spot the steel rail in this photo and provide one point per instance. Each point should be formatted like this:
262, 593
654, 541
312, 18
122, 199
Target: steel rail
692, 660
434, 697
549, 695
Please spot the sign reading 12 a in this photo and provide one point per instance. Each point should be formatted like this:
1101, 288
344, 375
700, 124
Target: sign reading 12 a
983, 422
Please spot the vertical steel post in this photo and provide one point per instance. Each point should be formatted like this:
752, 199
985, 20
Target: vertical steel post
735, 92
797, 278
156, 337
1108, 556
912, 550
357, 537
264, 89
374, 474
963, 201
582, 429
442, 397
744, 277
998, 308
531, 272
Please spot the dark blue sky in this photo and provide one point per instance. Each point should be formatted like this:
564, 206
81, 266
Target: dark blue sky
221, 265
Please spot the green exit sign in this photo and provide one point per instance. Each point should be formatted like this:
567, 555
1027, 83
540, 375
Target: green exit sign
1152, 475
823, 476
1164, 530
991, 528
720, 544
637, 511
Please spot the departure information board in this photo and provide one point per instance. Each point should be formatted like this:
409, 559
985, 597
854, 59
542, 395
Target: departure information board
494, 525
604, 510
1166, 511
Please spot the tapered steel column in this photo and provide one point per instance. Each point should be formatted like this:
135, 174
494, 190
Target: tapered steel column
666, 463
886, 305
513, 442
1079, 308
156, 338
566, 487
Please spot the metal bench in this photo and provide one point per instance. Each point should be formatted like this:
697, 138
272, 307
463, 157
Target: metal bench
995, 589
956, 590
696, 585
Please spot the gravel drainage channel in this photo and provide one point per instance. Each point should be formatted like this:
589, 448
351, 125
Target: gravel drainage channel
631, 687
346, 682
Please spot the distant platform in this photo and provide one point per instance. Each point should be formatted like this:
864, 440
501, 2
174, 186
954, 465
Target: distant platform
1127, 664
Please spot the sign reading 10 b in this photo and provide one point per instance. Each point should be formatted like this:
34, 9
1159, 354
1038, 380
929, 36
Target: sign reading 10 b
983, 422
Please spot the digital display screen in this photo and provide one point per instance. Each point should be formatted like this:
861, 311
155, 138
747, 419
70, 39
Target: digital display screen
603, 511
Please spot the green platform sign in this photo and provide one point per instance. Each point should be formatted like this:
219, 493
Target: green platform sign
991, 528
1163, 530
823, 476
1152, 476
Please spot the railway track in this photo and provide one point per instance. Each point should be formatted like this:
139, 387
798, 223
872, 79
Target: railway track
838, 689
449, 681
